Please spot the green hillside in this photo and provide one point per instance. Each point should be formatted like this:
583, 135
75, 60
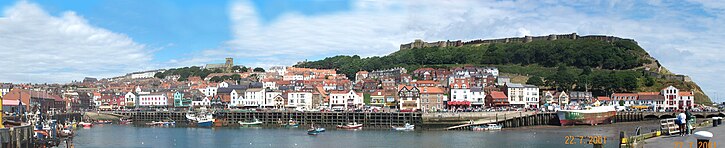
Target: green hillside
594, 65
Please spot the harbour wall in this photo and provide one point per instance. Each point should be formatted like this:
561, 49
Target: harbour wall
272, 118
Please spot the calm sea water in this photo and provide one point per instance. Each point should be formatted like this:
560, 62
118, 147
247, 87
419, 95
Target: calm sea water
541, 136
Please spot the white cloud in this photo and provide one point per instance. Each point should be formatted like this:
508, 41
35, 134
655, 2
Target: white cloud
683, 40
40, 47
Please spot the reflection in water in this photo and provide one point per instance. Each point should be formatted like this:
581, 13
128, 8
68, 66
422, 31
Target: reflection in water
540, 136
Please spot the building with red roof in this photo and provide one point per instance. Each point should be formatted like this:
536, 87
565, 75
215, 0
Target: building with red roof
496, 98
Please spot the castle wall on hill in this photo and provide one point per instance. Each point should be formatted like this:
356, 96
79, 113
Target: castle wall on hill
418, 43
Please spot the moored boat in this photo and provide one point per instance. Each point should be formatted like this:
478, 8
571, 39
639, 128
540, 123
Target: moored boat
407, 127
201, 119
125, 121
590, 116
351, 125
479, 128
103, 122
291, 124
493, 127
253, 122
162, 123
86, 124
313, 132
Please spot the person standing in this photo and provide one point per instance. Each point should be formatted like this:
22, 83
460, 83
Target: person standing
681, 121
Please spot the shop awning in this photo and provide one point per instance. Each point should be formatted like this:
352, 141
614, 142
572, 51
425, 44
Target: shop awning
459, 103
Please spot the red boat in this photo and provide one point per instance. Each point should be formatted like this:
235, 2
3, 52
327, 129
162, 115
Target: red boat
86, 124
353, 125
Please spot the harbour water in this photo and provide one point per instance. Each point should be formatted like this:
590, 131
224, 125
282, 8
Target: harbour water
537, 136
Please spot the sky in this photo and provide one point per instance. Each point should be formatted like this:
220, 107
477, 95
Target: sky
50, 41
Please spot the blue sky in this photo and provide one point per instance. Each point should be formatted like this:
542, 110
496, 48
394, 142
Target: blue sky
60, 41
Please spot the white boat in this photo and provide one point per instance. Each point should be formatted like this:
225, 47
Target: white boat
351, 125
254, 122
493, 127
162, 123
407, 127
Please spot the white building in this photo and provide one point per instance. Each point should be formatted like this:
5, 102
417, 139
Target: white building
209, 91
152, 99
202, 102
491, 70
676, 99
345, 100
522, 95
254, 97
5, 88
299, 100
280, 70
478, 96
269, 98
223, 85
270, 84
130, 98
236, 97
143, 75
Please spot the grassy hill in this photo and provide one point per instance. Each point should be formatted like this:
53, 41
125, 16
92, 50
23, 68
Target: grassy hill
574, 65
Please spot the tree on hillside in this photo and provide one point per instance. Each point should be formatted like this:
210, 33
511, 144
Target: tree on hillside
535, 80
259, 69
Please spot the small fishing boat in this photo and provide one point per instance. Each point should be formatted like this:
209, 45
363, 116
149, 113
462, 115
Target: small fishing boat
407, 127
253, 122
103, 122
312, 132
493, 127
202, 119
126, 121
479, 128
162, 123
86, 124
351, 125
291, 124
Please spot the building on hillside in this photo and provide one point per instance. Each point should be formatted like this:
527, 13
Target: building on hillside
522, 95
624, 99
460, 93
361, 75
478, 97
432, 98
580, 97
408, 98
254, 97
394, 73
652, 99
131, 99
554, 97
269, 98
377, 98
181, 99
502, 80
5, 88
676, 99
344, 100
153, 100
299, 100
497, 99
604, 101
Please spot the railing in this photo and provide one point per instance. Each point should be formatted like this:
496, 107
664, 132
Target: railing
18, 136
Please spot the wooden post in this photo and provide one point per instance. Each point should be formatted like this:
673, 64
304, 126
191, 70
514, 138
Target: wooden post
1, 113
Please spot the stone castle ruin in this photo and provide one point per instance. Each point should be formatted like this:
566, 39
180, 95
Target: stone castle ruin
418, 43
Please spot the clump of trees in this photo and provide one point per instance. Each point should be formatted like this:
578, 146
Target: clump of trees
617, 55
234, 77
187, 72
